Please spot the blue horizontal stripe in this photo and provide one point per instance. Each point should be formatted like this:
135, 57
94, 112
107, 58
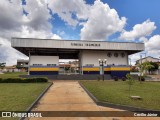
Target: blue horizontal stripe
107, 72
91, 72
88, 66
43, 72
119, 73
44, 66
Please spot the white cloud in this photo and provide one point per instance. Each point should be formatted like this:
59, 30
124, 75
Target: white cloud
154, 53
151, 48
9, 54
153, 44
134, 58
71, 11
10, 15
139, 30
102, 22
98, 20
31, 33
38, 15
143, 39
14, 24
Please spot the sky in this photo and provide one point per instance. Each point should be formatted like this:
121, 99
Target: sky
100, 20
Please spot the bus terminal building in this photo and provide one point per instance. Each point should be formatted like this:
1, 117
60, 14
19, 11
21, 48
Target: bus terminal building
94, 57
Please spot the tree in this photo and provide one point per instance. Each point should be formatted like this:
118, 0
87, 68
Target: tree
155, 67
2, 65
67, 69
130, 82
143, 67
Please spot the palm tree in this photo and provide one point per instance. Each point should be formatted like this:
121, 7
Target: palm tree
143, 67
2, 65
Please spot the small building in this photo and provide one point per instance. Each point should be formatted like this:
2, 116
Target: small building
10, 69
22, 65
148, 59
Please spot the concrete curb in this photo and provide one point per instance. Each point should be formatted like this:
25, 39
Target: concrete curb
36, 101
111, 105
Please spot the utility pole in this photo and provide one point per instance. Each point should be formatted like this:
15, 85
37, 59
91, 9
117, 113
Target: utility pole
145, 58
140, 68
130, 63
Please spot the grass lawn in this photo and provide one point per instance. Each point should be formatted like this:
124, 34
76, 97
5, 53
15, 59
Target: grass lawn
12, 74
117, 92
19, 96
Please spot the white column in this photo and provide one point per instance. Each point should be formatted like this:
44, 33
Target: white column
29, 63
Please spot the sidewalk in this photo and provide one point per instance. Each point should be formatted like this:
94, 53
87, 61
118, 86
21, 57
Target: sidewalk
70, 96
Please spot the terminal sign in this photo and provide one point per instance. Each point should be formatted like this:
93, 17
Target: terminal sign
86, 44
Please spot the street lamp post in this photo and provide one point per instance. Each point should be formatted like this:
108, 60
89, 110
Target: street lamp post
101, 63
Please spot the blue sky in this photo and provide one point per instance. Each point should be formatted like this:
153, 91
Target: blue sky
136, 11
105, 20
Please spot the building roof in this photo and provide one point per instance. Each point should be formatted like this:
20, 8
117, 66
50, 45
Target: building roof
10, 67
22, 60
48, 46
148, 57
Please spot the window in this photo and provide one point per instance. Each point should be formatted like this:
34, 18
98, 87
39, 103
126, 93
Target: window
122, 54
109, 54
37, 64
89, 64
116, 54
51, 64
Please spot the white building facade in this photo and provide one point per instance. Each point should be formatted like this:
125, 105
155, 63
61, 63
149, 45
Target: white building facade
44, 55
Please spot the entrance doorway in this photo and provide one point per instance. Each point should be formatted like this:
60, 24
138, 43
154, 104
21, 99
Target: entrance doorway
69, 66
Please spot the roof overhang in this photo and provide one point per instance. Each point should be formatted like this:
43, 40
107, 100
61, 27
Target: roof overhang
62, 47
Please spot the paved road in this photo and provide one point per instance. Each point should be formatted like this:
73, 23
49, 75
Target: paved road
70, 96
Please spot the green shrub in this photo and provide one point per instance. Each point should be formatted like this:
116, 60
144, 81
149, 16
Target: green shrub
1, 80
23, 80
32, 80
43, 79
123, 78
142, 78
115, 78
99, 78
12, 80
